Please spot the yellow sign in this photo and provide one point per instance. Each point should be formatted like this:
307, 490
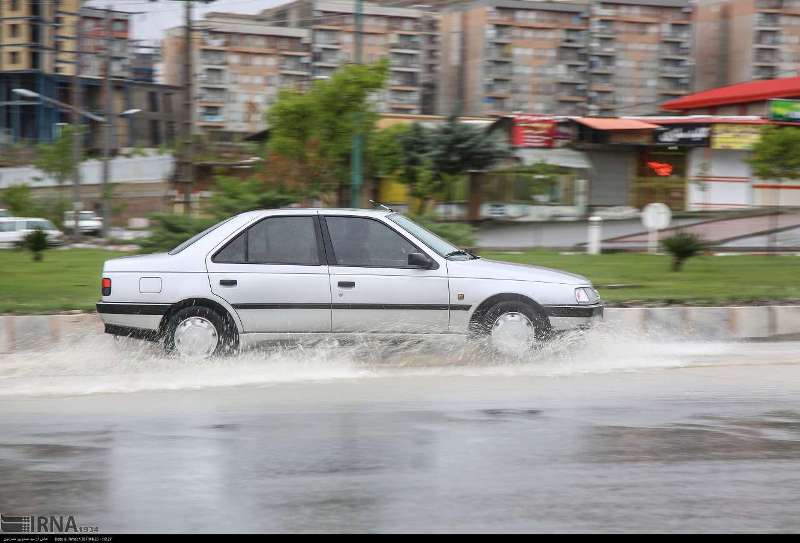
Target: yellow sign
740, 137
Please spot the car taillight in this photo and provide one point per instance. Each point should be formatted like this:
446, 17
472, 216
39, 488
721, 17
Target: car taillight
106, 284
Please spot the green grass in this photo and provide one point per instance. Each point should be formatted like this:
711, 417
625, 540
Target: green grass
68, 279
704, 279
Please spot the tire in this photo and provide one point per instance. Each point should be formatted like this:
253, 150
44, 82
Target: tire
516, 314
195, 327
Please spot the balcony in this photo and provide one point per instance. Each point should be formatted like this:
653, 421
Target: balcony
500, 54
212, 118
404, 44
769, 4
768, 21
500, 34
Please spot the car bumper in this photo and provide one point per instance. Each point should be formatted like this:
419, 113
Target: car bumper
126, 319
574, 317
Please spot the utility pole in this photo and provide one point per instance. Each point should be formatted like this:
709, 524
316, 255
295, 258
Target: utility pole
356, 174
77, 144
108, 128
187, 153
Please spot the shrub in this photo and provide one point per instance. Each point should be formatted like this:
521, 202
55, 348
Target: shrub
459, 234
682, 246
36, 243
170, 230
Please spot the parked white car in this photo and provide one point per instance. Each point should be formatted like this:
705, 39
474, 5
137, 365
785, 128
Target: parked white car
14, 229
88, 222
298, 273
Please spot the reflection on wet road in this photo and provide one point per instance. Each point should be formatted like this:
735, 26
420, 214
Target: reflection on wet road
693, 437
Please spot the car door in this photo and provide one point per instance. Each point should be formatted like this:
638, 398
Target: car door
275, 276
8, 232
373, 287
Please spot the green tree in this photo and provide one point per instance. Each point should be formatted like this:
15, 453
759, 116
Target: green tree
55, 159
19, 200
777, 154
313, 130
457, 148
233, 196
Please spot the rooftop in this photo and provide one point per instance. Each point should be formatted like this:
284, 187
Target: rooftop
740, 93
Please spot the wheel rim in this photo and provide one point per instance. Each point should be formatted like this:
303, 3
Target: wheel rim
513, 333
196, 336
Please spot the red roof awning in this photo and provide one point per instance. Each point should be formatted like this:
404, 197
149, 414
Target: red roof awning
741, 93
614, 123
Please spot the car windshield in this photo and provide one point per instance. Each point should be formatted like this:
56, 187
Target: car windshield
42, 224
196, 237
440, 246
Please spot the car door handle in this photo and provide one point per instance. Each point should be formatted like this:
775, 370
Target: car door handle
228, 282
347, 284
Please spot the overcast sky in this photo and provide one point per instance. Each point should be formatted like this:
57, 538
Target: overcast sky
156, 17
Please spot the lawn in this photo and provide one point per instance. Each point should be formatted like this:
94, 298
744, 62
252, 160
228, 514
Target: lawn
704, 279
70, 279
65, 279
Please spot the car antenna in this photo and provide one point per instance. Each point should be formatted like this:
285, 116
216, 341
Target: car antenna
387, 208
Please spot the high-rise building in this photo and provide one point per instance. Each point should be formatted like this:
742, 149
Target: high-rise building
240, 62
407, 37
38, 45
741, 40
610, 57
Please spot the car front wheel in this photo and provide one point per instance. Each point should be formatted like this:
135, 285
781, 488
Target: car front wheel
200, 332
513, 328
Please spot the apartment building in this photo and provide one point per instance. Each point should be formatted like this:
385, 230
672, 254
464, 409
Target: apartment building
407, 37
240, 62
38, 44
741, 40
568, 58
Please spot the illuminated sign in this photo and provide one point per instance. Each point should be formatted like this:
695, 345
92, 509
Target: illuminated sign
738, 137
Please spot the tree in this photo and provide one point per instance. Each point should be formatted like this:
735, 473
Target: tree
457, 148
19, 201
313, 130
777, 154
55, 159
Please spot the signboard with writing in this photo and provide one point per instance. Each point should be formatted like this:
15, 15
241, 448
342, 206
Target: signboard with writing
787, 111
738, 137
533, 131
686, 135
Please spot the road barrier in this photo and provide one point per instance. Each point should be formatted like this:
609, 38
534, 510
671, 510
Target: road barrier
26, 332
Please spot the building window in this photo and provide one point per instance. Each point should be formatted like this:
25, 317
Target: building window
14, 31
13, 57
155, 133
152, 101
14, 5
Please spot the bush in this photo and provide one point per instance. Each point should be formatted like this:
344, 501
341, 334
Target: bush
459, 234
36, 243
682, 246
170, 230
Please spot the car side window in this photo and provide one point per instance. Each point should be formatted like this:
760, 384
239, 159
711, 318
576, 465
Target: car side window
275, 240
363, 242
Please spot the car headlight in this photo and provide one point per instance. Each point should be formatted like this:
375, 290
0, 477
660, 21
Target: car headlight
586, 295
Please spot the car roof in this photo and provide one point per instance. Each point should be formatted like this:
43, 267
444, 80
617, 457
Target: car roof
317, 211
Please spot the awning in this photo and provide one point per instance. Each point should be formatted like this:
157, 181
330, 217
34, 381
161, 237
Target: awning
567, 158
613, 123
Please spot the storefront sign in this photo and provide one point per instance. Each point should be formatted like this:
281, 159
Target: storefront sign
533, 131
787, 111
684, 135
738, 137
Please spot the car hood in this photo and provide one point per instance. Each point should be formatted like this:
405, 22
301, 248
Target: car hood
155, 263
492, 269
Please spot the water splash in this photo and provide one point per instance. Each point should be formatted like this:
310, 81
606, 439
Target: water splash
100, 364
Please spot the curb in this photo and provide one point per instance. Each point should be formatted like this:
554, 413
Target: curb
25, 332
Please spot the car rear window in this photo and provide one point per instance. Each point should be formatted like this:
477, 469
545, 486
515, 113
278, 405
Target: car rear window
196, 237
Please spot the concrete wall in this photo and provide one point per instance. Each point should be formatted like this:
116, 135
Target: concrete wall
25, 332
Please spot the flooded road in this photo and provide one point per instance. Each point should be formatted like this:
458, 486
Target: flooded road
597, 433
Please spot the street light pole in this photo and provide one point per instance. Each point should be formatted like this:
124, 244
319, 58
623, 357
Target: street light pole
76, 124
356, 174
108, 128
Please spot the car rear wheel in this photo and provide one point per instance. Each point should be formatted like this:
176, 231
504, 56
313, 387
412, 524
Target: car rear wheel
512, 328
200, 332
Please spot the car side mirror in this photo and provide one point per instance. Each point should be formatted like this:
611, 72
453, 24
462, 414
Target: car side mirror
419, 260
